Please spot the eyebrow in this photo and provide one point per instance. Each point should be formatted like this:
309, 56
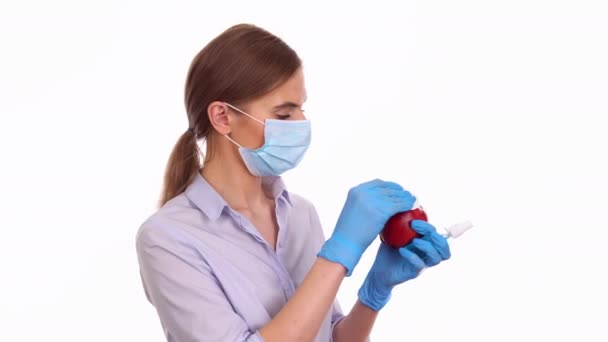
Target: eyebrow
286, 105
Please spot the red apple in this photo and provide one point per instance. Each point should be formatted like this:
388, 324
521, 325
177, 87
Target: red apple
398, 232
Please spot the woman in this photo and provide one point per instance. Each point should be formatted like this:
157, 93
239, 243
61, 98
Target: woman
232, 255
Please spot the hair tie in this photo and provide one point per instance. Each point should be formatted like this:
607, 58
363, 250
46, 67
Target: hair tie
191, 130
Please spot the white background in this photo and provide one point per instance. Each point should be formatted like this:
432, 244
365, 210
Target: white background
487, 110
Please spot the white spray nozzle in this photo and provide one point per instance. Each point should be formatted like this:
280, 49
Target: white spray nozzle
459, 229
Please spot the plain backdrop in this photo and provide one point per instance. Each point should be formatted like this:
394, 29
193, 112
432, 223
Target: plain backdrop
492, 111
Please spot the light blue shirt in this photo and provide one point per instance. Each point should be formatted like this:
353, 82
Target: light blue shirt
210, 274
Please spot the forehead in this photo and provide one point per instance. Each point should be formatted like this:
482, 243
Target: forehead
293, 90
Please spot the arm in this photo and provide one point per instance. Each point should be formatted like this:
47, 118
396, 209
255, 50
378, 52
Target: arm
357, 325
193, 307
391, 267
188, 298
367, 208
301, 317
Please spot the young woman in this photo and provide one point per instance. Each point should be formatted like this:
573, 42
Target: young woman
231, 254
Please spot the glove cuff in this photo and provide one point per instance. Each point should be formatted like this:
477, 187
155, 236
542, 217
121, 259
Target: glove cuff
373, 295
343, 251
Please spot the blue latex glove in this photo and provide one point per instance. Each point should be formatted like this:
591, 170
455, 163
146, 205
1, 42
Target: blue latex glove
395, 266
368, 206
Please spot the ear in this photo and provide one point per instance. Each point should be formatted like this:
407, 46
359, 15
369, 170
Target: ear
219, 118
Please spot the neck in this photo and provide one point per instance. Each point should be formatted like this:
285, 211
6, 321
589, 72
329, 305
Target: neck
229, 176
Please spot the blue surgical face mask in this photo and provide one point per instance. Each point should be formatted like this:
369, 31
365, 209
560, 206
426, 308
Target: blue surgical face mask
285, 143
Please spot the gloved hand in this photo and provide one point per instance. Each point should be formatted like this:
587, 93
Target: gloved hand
368, 206
395, 266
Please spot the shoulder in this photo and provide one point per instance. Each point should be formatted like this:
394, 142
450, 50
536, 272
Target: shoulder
304, 215
298, 200
168, 224
301, 203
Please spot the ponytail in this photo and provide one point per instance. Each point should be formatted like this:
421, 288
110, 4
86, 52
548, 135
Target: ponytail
183, 165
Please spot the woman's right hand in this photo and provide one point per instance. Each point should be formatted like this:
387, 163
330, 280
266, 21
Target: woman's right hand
367, 208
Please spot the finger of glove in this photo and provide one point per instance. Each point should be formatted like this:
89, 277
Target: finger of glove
429, 233
426, 251
372, 183
441, 245
402, 205
387, 185
413, 263
395, 193
407, 201
422, 227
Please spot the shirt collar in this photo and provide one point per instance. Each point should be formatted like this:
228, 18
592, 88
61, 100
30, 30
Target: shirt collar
204, 196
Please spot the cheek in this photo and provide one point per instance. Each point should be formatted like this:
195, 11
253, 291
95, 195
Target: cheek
251, 135
258, 135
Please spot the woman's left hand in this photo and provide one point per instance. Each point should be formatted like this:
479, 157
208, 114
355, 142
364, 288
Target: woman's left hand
395, 266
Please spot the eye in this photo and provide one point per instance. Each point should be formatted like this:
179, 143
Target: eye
283, 116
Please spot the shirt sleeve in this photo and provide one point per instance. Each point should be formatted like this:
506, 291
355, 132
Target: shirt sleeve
188, 298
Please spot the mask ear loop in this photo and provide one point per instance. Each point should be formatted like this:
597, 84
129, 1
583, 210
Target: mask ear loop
234, 142
242, 112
